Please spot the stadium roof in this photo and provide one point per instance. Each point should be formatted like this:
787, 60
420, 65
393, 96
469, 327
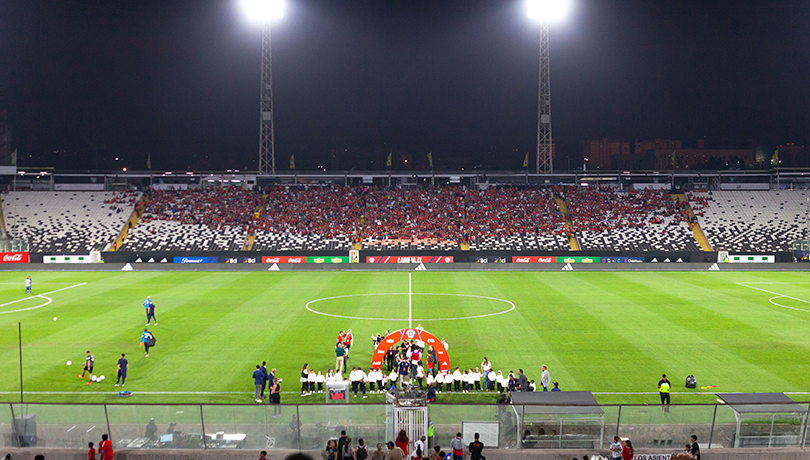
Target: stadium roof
557, 402
760, 403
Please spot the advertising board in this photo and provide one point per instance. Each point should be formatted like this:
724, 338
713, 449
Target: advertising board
284, 260
409, 259
328, 260
14, 257
534, 259
196, 260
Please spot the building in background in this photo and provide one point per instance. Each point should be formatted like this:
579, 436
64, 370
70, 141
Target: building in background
605, 153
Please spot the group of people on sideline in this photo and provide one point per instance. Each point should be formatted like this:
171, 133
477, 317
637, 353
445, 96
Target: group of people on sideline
402, 449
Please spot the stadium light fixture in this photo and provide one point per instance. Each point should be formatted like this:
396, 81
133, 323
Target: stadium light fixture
547, 10
263, 11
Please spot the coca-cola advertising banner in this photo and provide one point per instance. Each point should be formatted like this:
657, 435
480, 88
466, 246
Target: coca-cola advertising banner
534, 259
14, 257
409, 259
284, 260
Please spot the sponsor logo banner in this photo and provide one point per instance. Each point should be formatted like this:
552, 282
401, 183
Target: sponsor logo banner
578, 260
534, 259
328, 260
195, 260
409, 259
284, 260
622, 260
489, 260
14, 257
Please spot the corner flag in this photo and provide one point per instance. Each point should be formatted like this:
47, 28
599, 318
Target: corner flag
775, 158
430, 159
292, 161
388, 162
526, 160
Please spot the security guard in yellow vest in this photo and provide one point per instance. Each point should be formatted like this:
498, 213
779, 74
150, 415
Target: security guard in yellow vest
663, 389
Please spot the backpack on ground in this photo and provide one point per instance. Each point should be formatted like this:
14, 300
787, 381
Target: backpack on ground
691, 382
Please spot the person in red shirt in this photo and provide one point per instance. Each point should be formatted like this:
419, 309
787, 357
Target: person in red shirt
91, 454
105, 450
347, 340
341, 337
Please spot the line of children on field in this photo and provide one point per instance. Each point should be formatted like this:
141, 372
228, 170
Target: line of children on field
405, 365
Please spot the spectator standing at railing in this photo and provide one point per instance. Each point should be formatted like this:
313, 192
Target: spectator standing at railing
545, 378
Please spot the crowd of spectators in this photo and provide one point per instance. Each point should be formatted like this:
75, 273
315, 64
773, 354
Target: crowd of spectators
123, 200
594, 209
444, 215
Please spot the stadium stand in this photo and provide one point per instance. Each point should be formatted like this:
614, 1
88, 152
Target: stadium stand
64, 222
752, 221
635, 220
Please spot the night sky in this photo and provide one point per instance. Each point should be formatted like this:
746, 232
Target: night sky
97, 79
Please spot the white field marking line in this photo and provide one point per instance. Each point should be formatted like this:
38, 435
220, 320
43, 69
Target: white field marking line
42, 296
403, 293
777, 296
410, 302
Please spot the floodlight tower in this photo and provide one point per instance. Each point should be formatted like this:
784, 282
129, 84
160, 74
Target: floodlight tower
545, 12
264, 11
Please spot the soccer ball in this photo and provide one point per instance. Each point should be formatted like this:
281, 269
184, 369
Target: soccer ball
69, 363
101, 378
94, 378
54, 318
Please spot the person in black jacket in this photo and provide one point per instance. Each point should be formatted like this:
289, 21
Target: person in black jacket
476, 447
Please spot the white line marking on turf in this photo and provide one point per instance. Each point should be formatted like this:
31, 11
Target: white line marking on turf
778, 295
405, 293
41, 296
410, 302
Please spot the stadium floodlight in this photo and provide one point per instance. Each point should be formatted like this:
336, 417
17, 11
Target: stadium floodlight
547, 10
263, 11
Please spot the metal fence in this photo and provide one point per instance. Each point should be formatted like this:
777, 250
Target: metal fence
257, 427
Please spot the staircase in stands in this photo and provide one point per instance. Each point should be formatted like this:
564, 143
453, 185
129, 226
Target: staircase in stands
572, 238
137, 211
697, 232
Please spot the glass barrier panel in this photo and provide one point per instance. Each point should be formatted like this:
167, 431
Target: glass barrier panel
256, 427
324, 422
6, 427
155, 426
59, 425
449, 419
669, 427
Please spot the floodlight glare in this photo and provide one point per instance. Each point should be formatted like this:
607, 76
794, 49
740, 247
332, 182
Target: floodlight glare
263, 10
547, 10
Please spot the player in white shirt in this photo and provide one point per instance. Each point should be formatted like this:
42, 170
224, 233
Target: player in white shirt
320, 379
465, 381
477, 379
392, 378
312, 378
330, 375
363, 378
444, 344
439, 381
338, 377
501, 381
355, 379
420, 374
430, 380
491, 380
457, 380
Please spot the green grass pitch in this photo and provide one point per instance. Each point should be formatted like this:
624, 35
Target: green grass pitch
613, 333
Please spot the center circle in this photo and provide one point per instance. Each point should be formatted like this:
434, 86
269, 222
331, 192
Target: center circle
511, 306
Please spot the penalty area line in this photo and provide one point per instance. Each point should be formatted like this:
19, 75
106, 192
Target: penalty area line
41, 296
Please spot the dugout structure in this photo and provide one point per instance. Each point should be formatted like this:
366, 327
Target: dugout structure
558, 420
767, 419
